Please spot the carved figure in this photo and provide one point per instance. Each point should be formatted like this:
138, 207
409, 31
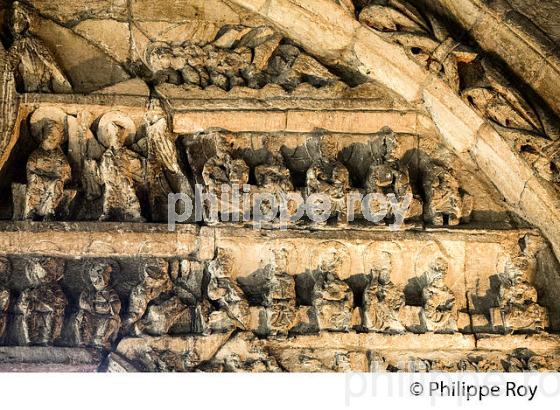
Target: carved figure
438, 312
39, 310
35, 68
163, 170
332, 299
445, 205
232, 307
97, 321
388, 176
518, 309
333, 180
279, 296
382, 302
155, 280
48, 171
115, 173
5, 294
223, 175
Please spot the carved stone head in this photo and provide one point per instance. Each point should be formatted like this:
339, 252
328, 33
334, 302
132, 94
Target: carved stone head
47, 127
5, 271
44, 270
100, 275
155, 268
115, 129
437, 271
19, 20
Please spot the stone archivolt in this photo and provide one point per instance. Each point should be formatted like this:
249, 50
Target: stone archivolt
531, 129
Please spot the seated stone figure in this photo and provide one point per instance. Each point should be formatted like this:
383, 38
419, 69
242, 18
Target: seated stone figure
232, 309
222, 176
276, 295
382, 302
5, 294
39, 310
154, 281
445, 205
34, 67
332, 301
48, 170
115, 173
439, 314
276, 180
388, 176
97, 321
518, 310
333, 180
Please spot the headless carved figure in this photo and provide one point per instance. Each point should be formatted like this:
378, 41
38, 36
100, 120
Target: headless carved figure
221, 174
98, 321
226, 295
155, 281
164, 173
34, 66
40, 309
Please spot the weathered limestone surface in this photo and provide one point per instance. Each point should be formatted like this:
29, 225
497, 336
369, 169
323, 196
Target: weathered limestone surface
107, 108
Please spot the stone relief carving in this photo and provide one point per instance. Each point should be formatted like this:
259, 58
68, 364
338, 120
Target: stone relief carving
445, 204
33, 64
169, 301
238, 57
383, 300
438, 310
109, 169
517, 309
118, 169
97, 322
39, 310
530, 128
48, 171
5, 294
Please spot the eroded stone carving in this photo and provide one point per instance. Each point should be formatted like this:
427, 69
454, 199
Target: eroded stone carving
232, 309
34, 66
445, 203
382, 301
532, 129
48, 171
518, 310
164, 172
238, 57
5, 293
97, 321
438, 310
118, 169
154, 281
39, 310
